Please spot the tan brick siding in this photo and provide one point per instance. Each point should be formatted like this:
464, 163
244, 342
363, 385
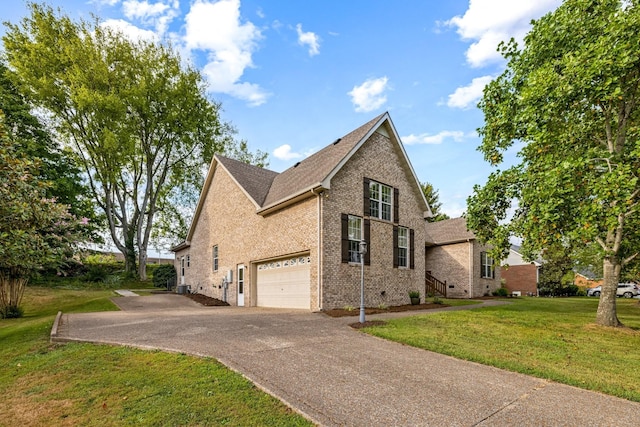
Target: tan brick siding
378, 160
452, 263
228, 219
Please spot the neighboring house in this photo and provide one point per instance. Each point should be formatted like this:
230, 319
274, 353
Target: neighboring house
520, 275
291, 239
586, 279
454, 255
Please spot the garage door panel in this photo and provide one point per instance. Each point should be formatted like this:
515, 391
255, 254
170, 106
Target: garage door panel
280, 284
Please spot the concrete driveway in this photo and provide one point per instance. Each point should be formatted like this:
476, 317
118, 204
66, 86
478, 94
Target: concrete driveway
338, 376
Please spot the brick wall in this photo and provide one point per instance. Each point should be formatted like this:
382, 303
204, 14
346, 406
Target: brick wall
452, 263
379, 160
523, 278
228, 219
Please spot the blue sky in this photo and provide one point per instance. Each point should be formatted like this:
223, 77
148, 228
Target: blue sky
292, 76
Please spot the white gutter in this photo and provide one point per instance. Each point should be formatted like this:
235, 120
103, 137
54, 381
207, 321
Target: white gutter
471, 272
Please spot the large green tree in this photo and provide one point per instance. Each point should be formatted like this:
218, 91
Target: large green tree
57, 166
569, 99
36, 231
433, 198
138, 118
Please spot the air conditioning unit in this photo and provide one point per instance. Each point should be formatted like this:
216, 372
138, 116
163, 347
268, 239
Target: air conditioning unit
516, 294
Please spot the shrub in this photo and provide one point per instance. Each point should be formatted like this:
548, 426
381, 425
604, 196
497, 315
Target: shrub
164, 273
11, 312
501, 292
414, 294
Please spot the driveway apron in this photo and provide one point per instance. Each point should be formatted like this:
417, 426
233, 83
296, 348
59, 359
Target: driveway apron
338, 376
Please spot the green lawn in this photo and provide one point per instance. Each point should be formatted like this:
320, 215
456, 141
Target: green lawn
84, 384
552, 338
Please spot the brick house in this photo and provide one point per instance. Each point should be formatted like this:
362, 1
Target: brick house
456, 258
520, 275
290, 239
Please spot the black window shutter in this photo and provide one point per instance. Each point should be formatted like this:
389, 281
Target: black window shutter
366, 207
412, 258
345, 237
367, 234
395, 247
396, 206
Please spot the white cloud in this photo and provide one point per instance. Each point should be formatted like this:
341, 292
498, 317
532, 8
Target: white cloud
467, 96
488, 22
159, 14
439, 138
284, 152
104, 2
215, 27
130, 30
369, 95
133, 9
310, 39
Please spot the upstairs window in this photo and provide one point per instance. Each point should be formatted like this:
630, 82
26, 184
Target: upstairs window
380, 200
215, 258
487, 269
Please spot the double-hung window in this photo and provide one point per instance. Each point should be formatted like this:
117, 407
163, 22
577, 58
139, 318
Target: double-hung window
215, 258
403, 247
355, 236
487, 269
380, 200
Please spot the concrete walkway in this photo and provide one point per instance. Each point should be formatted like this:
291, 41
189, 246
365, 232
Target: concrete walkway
338, 376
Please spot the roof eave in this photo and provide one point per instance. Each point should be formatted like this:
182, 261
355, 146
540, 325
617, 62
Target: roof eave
310, 191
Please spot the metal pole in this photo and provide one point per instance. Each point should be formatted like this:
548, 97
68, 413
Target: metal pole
362, 250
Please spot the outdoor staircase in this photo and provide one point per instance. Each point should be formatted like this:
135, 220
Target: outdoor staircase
433, 286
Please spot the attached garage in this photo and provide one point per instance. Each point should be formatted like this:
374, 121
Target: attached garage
284, 283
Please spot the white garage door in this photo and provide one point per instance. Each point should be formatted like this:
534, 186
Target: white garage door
284, 283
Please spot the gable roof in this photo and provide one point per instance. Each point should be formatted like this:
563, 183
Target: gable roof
255, 181
516, 250
312, 171
270, 191
448, 231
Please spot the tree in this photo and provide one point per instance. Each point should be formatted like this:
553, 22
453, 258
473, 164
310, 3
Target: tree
570, 97
138, 119
433, 198
56, 166
35, 230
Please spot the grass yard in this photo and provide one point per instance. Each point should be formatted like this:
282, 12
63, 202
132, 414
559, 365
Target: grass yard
552, 338
84, 384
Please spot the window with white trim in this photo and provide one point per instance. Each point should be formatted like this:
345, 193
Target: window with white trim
355, 236
487, 269
380, 200
215, 258
403, 247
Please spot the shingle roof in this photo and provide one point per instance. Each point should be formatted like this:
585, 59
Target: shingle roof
448, 231
255, 180
315, 168
270, 190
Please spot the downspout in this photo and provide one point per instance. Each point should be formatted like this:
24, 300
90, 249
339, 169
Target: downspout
320, 249
471, 272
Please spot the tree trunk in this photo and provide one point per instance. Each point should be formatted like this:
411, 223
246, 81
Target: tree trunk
607, 313
142, 263
130, 255
12, 285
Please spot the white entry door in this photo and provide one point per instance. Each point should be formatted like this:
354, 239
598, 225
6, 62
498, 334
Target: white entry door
240, 285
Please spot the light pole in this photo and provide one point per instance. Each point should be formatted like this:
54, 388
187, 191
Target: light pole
362, 249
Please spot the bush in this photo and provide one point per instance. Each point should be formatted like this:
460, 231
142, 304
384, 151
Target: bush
164, 273
501, 292
11, 312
